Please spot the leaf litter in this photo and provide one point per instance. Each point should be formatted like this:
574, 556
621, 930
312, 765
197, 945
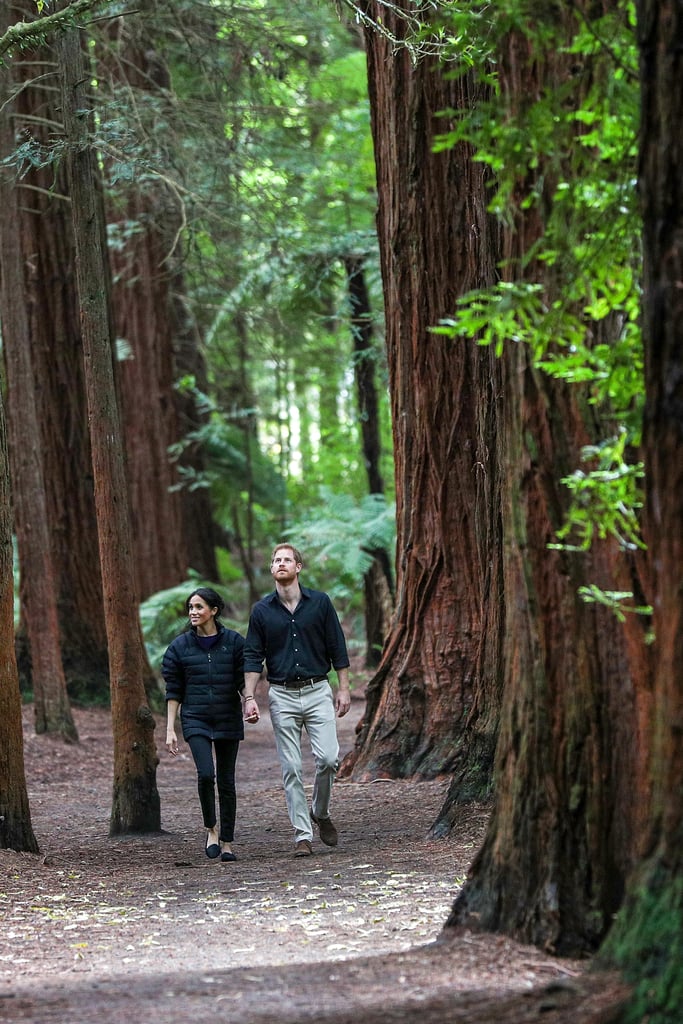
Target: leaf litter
97, 928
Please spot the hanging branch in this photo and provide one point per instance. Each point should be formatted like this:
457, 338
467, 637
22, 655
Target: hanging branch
415, 39
34, 33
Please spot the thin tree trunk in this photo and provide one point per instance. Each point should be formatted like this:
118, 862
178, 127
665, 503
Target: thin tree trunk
378, 583
244, 404
195, 502
135, 804
38, 584
16, 831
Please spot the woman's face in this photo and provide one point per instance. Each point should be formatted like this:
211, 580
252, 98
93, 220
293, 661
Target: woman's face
201, 615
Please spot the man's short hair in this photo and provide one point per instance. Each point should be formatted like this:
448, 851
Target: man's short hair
298, 557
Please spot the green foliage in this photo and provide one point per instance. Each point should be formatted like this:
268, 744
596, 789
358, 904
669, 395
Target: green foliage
274, 166
605, 499
618, 601
36, 32
337, 539
569, 153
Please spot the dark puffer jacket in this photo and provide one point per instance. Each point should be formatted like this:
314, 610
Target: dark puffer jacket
207, 684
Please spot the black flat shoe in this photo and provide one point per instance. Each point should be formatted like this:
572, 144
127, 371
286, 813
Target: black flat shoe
213, 851
228, 855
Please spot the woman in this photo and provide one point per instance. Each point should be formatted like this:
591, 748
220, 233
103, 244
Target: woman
204, 674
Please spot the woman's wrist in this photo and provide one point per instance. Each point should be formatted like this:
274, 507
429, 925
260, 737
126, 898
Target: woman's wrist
248, 696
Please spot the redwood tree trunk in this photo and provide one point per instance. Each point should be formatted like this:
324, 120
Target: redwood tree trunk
135, 806
646, 940
44, 225
661, 179
16, 832
570, 783
38, 590
144, 276
436, 241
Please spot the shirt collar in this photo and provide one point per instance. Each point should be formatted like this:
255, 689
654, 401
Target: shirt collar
273, 596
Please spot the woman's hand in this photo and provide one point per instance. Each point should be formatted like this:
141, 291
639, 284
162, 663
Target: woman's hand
171, 742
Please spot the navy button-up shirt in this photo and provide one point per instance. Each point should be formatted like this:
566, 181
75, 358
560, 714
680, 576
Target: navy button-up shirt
295, 645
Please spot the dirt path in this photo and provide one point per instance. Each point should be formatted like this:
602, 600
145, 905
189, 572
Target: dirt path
95, 929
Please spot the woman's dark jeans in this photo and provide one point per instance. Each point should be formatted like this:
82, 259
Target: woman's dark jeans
224, 779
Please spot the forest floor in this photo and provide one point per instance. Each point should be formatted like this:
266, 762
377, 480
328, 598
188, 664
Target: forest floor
147, 928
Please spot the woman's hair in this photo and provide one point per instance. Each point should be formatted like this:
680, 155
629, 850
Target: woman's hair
213, 599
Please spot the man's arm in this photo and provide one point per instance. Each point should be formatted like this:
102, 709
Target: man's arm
342, 700
254, 654
251, 709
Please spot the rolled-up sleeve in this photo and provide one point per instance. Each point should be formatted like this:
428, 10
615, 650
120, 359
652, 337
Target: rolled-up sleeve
334, 638
255, 643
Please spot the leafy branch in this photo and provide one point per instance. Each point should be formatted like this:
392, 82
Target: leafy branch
33, 33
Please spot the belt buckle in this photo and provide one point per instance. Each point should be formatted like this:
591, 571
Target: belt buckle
298, 684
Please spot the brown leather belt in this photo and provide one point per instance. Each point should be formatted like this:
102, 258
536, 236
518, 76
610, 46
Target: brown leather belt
297, 684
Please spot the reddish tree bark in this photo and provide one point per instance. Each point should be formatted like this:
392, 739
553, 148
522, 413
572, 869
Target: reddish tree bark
148, 288
54, 343
646, 939
484, 608
135, 803
38, 591
16, 831
571, 786
436, 241
661, 179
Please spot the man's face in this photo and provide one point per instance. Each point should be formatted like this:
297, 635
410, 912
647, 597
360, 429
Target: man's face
284, 569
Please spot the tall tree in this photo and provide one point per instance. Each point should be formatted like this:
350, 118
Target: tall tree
436, 241
145, 213
646, 940
564, 830
135, 804
39, 589
562, 837
16, 832
378, 583
43, 224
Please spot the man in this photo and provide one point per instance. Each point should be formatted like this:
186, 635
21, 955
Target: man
297, 632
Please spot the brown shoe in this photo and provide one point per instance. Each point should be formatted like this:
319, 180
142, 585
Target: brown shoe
303, 848
328, 832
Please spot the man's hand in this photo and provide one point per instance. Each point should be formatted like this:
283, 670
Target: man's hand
251, 711
342, 701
